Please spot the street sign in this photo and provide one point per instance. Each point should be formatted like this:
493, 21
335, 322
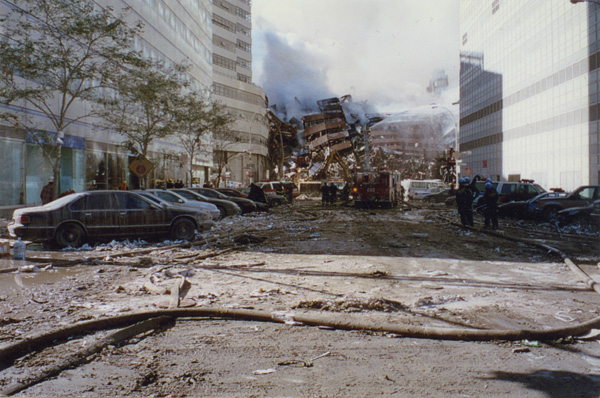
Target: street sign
141, 166
468, 171
250, 174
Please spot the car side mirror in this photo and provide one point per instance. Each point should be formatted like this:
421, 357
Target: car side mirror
180, 201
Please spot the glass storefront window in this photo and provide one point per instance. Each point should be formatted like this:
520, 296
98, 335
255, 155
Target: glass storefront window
11, 185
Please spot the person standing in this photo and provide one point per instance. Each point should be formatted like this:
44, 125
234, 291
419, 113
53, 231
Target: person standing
289, 193
47, 194
332, 193
123, 186
490, 201
464, 203
257, 194
324, 193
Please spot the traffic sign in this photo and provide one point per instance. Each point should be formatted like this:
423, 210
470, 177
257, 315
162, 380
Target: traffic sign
141, 166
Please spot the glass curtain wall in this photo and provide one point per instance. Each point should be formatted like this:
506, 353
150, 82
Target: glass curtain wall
11, 173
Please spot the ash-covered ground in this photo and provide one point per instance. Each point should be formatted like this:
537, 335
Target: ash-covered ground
409, 266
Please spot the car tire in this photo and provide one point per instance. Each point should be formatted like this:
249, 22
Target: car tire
69, 235
183, 229
223, 212
275, 203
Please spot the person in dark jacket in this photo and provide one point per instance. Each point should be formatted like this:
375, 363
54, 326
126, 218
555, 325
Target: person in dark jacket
324, 193
332, 193
257, 194
289, 193
464, 203
47, 194
490, 203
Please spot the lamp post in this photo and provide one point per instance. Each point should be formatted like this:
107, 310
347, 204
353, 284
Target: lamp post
456, 153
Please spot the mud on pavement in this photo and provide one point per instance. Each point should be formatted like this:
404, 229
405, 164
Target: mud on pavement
406, 267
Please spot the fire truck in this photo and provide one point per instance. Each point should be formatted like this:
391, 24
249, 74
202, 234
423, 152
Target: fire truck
376, 189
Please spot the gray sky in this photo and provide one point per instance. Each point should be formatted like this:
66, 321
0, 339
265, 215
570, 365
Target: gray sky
380, 51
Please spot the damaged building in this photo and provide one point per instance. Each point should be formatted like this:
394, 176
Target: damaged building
328, 130
415, 134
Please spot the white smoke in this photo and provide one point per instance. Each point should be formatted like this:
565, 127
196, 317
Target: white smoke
294, 79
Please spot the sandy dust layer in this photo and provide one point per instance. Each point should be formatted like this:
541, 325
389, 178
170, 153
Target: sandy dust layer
407, 266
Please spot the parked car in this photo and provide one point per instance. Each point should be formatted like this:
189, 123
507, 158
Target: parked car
439, 197
236, 193
278, 187
581, 197
226, 207
273, 200
585, 216
175, 198
246, 205
418, 189
508, 191
80, 217
524, 209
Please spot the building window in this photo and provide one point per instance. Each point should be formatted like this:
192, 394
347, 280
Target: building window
224, 23
244, 78
224, 43
244, 63
244, 46
243, 14
243, 30
230, 92
224, 62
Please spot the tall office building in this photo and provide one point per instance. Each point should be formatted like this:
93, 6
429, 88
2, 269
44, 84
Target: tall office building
529, 90
232, 66
174, 31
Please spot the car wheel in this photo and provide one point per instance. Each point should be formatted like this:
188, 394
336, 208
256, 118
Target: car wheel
223, 213
183, 229
69, 235
276, 202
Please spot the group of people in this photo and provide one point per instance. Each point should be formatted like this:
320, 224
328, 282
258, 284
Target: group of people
466, 194
328, 193
176, 184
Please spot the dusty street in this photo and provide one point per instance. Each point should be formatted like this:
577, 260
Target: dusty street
402, 267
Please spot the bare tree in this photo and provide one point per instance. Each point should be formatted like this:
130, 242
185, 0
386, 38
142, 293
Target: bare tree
145, 103
223, 138
193, 125
54, 56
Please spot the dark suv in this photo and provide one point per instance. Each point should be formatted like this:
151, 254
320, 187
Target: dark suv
582, 196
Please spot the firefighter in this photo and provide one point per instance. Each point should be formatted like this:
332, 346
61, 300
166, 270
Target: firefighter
324, 193
490, 203
464, 203
289, 193
332, 193
346, 192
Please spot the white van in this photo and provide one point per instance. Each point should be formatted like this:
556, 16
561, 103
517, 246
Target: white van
418, 189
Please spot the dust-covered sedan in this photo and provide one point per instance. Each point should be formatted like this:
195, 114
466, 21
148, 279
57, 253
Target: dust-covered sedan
104, 215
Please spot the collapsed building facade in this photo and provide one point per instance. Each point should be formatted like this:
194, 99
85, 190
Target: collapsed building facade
413, 141
342, 137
